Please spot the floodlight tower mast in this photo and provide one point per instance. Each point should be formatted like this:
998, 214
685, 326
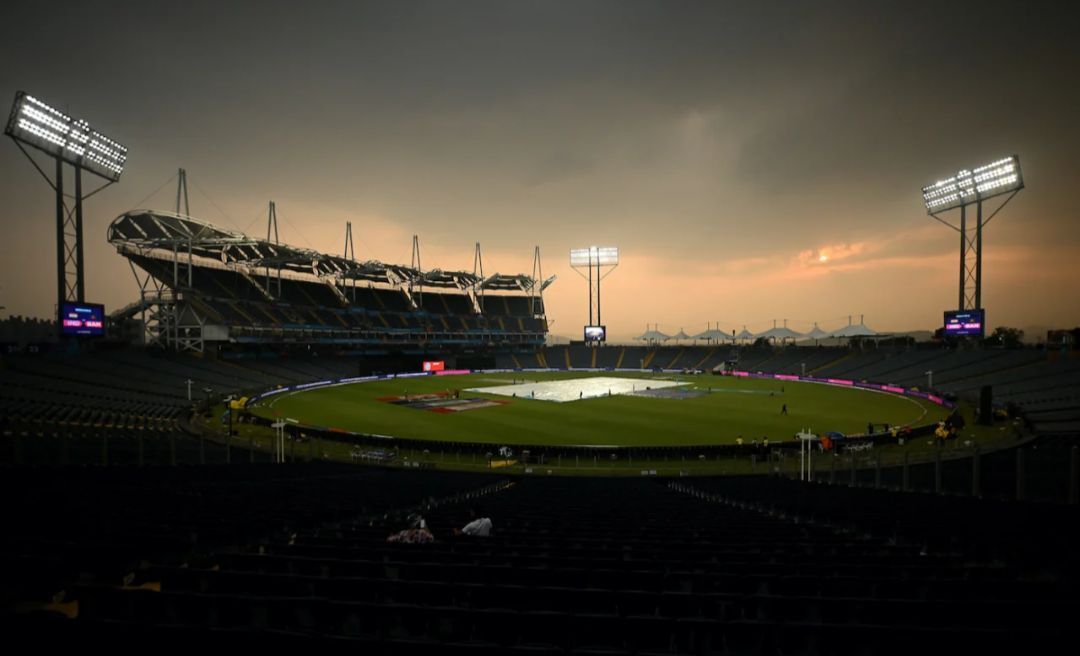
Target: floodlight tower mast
48, 130
478, 275
350, 254
181, 192
595, 259
418, 281
972, 187
536, 292
272, 231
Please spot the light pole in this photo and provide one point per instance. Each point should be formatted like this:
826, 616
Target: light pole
189, 382
959, 191
279, 441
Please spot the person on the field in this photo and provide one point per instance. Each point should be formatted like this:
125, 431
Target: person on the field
783, 409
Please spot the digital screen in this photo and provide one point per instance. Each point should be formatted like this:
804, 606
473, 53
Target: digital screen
83, 319
595, 333
434, 365
965, 323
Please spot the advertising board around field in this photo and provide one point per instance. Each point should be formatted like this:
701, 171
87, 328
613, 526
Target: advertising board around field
434, 365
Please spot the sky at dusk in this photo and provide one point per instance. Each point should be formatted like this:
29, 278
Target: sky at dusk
752, 160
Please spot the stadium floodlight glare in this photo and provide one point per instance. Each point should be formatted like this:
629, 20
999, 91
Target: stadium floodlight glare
972, 187
594, 256
46, 128
73, 142
969, 186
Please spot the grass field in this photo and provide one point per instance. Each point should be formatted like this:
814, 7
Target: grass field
733, 407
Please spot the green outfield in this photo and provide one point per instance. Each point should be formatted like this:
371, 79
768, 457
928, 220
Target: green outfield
724, 409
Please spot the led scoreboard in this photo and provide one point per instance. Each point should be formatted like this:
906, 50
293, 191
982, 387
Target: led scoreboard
82, 319
965, 323
595, 333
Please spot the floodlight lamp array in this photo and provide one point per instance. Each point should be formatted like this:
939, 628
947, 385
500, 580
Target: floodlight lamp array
46, 128
594, 256
966, 186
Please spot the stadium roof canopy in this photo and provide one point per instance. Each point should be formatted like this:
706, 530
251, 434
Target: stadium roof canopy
745, 334
166, 235
852, 330
681, 335
713, 334
817, 333
782, 332
653, 335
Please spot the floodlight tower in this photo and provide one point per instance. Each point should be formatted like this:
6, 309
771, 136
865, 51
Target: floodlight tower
972, 187
72, 141
595, 258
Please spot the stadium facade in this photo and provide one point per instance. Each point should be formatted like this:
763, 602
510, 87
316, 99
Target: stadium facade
202, 288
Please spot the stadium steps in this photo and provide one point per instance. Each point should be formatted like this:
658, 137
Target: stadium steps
464, 324
592, 363
976, 379
675, 360
310, 301
445, 305
385, 323
236, 308
648, 359
622, 354
255, 283
290, 315
339, 318
833, 363
700, 363
566, 352
758, 366
228, 292
517, 363
541, 358
521, 324
205, 309
445, 323
502, 324
340, 295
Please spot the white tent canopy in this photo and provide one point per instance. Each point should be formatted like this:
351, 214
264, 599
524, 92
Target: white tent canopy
817, 333
680, 335
852, 330
780, 333
713, 334
745, 334
653, 335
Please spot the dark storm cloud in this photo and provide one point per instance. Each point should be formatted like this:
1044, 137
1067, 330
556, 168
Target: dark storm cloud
690, 132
